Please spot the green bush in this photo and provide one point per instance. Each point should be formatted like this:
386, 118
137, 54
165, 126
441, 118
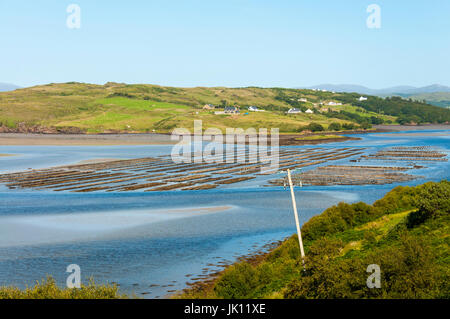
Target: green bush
47, 289
339, 218
398, 199
366, 125
315, 127
237, 282
408, 270
432, 200
334, 127
325, 276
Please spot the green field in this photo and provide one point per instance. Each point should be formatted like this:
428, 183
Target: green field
115, 107
362, 112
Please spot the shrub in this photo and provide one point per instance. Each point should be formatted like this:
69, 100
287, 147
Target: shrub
432, 201
237, 282
334, 127
348, 126
401, 198
366, 125
326, 276
47, 289
339, 218
408, 270
315, 127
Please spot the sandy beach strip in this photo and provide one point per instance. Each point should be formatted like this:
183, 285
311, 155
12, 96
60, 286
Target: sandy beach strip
425, 127
84, 140
97, 161
418, 134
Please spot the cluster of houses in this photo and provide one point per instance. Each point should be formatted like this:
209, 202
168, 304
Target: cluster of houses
332, 103
302, 99
230, 109
296, 111
209, 107
236, 109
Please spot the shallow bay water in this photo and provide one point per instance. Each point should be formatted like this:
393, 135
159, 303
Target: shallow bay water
153, 243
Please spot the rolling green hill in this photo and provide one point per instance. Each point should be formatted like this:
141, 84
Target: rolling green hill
115, 107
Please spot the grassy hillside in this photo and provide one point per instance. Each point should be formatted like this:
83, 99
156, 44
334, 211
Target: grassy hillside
441, 99
47, 289
117, 107
406, 233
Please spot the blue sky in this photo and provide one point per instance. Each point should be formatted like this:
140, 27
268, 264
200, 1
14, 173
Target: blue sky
226, 43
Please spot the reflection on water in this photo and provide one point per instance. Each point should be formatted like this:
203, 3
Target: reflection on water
152, 243
67, 227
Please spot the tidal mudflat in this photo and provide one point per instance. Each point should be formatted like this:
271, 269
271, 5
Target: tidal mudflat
154, 243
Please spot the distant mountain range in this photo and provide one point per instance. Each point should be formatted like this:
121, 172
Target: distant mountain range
435, 94
396, 90
8, 87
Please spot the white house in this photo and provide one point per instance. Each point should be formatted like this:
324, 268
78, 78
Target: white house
362, 98
231, 110
294, 111
309, 111
209, 107
253, 109
333, 103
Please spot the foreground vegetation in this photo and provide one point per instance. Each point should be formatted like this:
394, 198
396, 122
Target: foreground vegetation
47, 289
406, 233
115, 107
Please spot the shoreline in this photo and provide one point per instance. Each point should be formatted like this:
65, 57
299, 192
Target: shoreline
32, 139
24, 139
398, 128
117, 139
232, 277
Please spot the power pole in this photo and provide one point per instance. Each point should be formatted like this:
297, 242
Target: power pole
299, 233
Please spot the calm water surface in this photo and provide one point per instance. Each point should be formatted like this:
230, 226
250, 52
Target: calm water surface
153, 243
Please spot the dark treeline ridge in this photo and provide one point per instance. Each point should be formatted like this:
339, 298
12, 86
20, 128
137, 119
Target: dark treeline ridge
407, 110
406, 233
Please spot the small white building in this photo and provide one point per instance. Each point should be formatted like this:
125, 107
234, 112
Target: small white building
294, 111
309, 111
362, 98
232, 110
332, 103
253, 109
209, 107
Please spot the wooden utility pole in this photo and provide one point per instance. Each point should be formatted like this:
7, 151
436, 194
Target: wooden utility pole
299, 233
